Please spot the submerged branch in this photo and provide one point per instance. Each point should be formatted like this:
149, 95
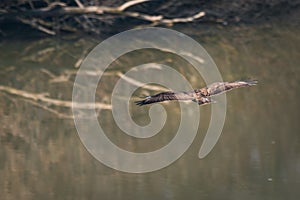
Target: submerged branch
41, 97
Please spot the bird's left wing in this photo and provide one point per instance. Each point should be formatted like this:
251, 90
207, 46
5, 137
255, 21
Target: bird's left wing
166, 96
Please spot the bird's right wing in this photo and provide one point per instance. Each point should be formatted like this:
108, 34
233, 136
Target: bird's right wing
221, 87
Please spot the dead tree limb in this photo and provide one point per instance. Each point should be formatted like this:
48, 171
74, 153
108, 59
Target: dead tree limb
58, 10
101, 10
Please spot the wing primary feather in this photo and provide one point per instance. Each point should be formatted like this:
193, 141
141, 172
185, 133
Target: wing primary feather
165, 96
221, 87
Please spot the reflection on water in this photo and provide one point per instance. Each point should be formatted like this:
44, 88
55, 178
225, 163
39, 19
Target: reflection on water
257, 156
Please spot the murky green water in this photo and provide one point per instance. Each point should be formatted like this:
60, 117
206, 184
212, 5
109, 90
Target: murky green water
256, 157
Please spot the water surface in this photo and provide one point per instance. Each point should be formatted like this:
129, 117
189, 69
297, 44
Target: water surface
256, 157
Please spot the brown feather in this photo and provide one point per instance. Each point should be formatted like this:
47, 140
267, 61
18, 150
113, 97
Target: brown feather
166, 96
221, 87
201, 96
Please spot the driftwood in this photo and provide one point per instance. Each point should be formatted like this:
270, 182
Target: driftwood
108, 17
39, 18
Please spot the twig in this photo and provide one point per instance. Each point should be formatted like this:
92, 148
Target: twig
37, 26
187, 19
79, 4
130, 3
85, 17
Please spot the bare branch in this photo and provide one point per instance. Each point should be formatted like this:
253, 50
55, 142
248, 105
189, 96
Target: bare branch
187, 19
58, 9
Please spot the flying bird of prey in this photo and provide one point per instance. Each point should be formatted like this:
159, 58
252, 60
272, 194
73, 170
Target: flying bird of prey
201, 96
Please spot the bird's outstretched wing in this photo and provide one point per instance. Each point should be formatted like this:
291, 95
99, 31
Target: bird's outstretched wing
201, 96
221, 87
166, 96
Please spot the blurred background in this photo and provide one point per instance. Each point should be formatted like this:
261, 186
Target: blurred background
42, 45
